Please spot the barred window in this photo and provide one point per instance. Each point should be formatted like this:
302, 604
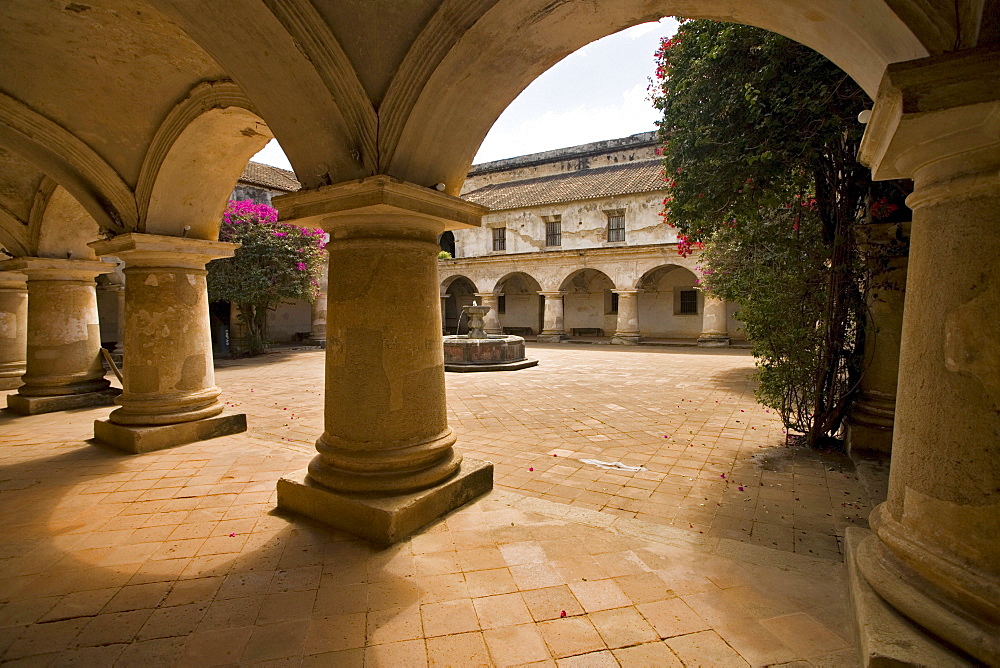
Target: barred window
499, 238
616, 227
614, 304
553, 233
689, 302
502, 304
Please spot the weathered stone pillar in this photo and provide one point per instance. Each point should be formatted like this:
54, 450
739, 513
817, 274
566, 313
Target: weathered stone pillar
714, 323
627, 329
13, 328
552, 324
317, 328
63, 367
120, 325
386, 466
491, 321
934, 555
869, 426
169, 394
444, 314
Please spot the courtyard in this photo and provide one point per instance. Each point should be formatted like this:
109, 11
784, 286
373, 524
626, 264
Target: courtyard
647, 512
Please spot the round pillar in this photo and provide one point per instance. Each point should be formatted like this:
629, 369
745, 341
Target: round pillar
870, 423
13, 328
714, 323
385, 465
64, 334
168, 373
627, 329
552, 324
120, 326
317, 330
491, 321
934, 555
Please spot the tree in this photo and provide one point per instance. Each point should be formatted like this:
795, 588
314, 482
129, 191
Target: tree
276, 262
759, 141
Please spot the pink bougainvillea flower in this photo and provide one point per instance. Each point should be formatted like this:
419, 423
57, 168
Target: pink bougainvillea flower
232, 535
562, 614
723, 475
531, 469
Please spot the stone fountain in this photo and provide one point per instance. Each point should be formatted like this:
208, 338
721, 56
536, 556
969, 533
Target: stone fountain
479, 351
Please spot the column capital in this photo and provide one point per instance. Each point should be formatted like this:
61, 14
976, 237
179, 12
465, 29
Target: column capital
551, 294
377, 206
932, 109
12, 280
41, 268
627, 293
154, 250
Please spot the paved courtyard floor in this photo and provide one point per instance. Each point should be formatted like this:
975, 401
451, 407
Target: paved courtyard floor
647, 512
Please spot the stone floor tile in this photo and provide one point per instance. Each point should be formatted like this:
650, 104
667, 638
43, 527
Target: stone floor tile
804, 635
501, 610
458, 651
275, 641
214, 648
180, 620
569, 636
194, 590
394, 624
336, 633
705, 648
114, 627
50, 608
672, 617
602, 659
515, 645
105, 655
550, 602
159, 652
341, 600
449, 617
599, 595
623, 627
41, 638
286, 607
348, 658
647, 655
406, 654
230, 613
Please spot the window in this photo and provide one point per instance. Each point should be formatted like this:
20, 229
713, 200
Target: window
616, 226
689, 302
499, 238
614, 304
501, 304
553, 232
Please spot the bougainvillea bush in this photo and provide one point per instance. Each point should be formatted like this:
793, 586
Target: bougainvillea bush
276, 262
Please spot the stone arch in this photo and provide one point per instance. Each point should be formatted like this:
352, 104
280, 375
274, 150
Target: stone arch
196, 159
588, 303
457, 292
64, 228
664, 303
519, 304
442, 131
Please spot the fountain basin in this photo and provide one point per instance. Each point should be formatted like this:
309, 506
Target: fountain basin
493, 353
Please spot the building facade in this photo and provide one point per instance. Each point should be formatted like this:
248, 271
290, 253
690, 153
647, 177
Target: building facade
574, 245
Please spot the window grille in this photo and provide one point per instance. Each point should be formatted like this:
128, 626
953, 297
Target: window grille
689, 302
614, 303
616, 227
499, 238
553, 233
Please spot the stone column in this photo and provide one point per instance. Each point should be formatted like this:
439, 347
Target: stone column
933, 555
13, 328
491, 321
714, 323
627, 329
869, 426
444, 315
386, 466
552, 326
63, 368
169, 394
317, 328
120, 325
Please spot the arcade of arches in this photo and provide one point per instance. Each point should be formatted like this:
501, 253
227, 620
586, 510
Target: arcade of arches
124, 126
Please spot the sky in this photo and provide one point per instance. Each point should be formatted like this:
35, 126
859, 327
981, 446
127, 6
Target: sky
598, 92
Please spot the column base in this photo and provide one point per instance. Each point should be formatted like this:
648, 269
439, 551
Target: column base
61, 402
550, 338
625, 340
384, 519
863, 437
885, 637
713, 341
148, 438
11, 383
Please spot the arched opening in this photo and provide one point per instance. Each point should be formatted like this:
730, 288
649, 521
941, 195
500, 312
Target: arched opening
670, 304
519, 304
447, 242
193, 182
459, 293
589, 304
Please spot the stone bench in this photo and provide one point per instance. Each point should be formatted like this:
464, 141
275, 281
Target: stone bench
587, 331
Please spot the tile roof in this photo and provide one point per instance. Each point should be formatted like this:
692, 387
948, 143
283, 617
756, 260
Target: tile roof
624, 179
270, 177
